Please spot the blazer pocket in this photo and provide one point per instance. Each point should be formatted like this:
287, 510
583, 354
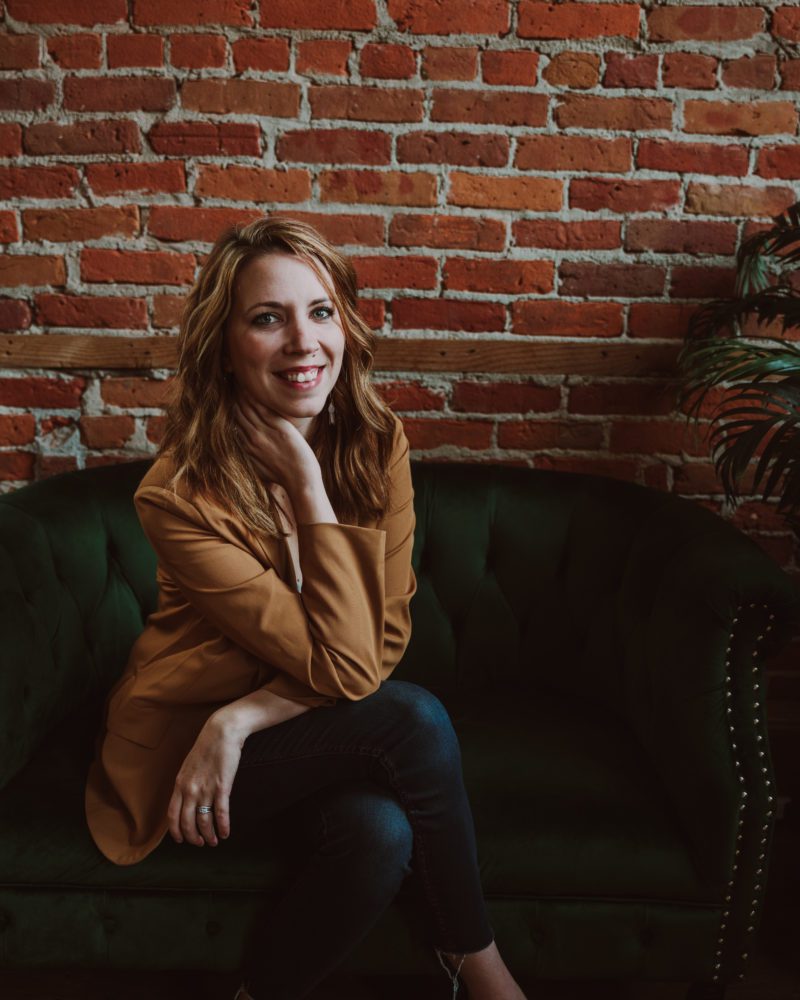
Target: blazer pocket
138, 721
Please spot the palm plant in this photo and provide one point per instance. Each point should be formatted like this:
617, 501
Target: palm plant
762, 404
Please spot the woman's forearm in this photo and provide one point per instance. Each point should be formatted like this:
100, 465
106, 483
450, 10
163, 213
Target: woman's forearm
258, 710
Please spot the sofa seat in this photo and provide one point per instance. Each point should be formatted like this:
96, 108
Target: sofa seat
582, 814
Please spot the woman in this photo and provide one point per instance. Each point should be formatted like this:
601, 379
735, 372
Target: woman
280, 508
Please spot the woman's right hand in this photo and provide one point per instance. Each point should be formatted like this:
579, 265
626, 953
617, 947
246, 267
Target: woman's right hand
279, 451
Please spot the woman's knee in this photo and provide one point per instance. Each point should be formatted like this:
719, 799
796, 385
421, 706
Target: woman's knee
369, 824
423, 716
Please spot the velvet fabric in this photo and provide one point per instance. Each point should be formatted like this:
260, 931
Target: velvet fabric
600, 647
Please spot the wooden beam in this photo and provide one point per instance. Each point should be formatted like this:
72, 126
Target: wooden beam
394, 354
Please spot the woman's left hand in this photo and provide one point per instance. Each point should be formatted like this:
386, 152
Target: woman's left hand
205, 778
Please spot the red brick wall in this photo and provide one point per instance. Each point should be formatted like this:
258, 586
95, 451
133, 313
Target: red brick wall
550, 191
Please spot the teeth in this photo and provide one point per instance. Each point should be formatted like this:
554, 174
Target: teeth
301, 376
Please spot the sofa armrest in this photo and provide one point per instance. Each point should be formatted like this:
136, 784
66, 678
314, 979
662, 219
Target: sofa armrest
701, 607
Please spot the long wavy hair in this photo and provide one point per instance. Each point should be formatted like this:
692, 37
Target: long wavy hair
201, 432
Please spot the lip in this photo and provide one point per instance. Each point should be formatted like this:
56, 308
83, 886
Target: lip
301, 386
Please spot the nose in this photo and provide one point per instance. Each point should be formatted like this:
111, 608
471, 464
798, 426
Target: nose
302, 336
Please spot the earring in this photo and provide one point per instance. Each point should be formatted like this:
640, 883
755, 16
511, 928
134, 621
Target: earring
331, 411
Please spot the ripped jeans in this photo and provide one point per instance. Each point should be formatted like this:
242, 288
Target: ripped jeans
381, 797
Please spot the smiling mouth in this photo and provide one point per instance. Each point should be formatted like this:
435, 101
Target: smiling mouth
304, 382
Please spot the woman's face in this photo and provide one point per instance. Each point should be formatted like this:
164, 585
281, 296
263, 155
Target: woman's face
282, 317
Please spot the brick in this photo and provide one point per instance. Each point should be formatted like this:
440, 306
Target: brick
213, 12
17, 428
198, 51
589, 278
533, 434
501, 107
447, 231
779, 161
377, 104
752, 72
631, 114
134, 50
140, 267
373, 312
729, 118
577, 20
232, 96
110, 178
465, 149
323, 55
473, 17
692, 157
786, 23
508, 277
15, 314
9, 230
706, 23
604, 398
396, 272
10, 139
177, 222
37, 182
264, 54
576, 70
79, 51
623, 70
531, 194
320, 15
252, 183
680, 236
447, 314
41, 393
701, 282
595, 193
736, 199
118, 93
16, 465
68, 11
592, 234
666, 437
66, 225
555, 317
659, 319
385, 187
19, 51
167, 310
26, 95
342, 229
388, 61
114, 311
458, 433
106, 431
38, 269
54, 465
504, 397
449, 62
573, 152
205, 138
335, 145
82, 138
514, 69
690, 70
135, 393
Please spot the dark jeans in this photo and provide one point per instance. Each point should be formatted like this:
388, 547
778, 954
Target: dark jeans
378, 789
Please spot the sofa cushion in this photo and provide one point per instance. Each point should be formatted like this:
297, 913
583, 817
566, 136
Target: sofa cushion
564, 802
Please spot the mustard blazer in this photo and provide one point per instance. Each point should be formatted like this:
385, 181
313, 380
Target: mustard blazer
229, 620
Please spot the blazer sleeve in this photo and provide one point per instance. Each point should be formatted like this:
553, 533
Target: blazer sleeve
338, 638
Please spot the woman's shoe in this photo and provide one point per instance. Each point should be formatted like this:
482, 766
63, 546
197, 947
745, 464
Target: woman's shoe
242, 994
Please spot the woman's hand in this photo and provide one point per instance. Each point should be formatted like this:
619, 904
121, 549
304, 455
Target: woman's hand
279, 451
205, 778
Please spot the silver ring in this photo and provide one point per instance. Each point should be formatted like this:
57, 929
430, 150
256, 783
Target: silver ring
205, 809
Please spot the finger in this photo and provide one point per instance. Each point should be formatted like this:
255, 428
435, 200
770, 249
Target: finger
189, 822
174, 816
205, 824
222, 812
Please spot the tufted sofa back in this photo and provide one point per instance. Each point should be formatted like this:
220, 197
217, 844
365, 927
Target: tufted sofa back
534, 580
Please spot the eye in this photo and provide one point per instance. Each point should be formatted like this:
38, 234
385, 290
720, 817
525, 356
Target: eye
260, 316
324, 309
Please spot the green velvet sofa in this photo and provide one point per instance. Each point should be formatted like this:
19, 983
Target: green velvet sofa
601, 649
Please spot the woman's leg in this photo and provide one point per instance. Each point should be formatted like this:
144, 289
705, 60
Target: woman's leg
400, 737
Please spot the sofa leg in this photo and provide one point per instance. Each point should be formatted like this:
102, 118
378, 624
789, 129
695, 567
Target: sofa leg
705, 991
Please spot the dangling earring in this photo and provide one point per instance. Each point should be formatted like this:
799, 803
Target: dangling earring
331, 411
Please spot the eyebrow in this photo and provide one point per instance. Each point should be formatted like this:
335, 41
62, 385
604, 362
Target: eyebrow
281, 305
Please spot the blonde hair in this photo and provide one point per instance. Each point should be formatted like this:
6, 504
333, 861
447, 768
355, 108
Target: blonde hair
201, 431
